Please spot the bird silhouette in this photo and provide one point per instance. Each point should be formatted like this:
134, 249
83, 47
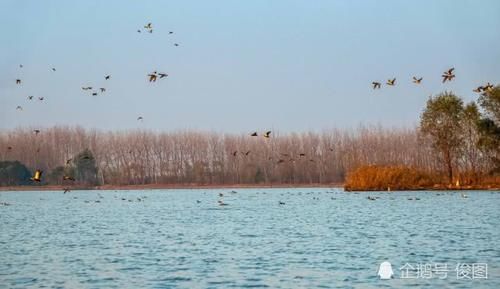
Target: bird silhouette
176, 44
20, 65
36, 131
235, 153
281, 161
376, 85
87, 88
30, 97
107, 77
102, 89
41, 98
417, 80
18, 81
254, 134
448, 75
94, 93
302, 155
247, 153
38, 176
267, 134
140, 118
391, 82
153, 76
19, 107
488, 87
162, 75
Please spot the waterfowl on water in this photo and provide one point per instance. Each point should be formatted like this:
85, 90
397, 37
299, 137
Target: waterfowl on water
281, 203
221, 203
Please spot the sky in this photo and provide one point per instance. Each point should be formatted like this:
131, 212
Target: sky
240, 65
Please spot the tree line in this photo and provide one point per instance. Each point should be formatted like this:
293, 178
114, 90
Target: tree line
454, 140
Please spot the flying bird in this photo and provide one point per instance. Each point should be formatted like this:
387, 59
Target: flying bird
107, 77
102, 89
20, 65
41, 98
30, 97
153, 76
448, 75
36, 131
87, 88
94, 93
267, 134
140, 118
18, 81
302, 155
417, 80
176, 44
376, 85
149, 27
19, 107
391, 82
53, 69
38, 176
254, 134
162, 75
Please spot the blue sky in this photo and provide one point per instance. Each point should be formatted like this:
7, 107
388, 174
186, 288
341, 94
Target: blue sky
241, 65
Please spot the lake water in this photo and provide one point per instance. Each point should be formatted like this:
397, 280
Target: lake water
320, 238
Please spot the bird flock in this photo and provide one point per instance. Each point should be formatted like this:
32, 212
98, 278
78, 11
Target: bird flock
154, 76
447, 75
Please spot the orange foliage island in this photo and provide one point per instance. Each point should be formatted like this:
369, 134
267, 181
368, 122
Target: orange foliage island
385, 178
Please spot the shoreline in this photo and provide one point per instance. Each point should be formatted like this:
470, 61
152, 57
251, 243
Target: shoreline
234, 186
164, 187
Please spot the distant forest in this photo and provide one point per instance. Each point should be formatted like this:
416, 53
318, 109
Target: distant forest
453, 141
